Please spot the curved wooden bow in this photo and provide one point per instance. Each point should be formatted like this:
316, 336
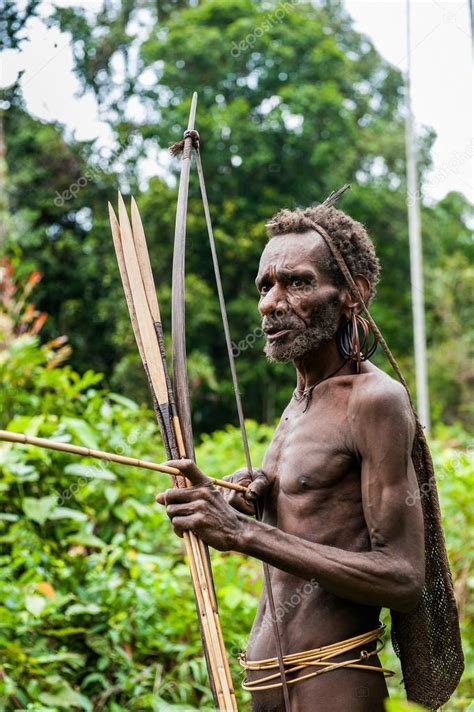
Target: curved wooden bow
191, 139
213, 643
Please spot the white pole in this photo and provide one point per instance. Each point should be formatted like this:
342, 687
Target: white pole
416, 258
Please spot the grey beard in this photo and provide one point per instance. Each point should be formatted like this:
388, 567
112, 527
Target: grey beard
323, 330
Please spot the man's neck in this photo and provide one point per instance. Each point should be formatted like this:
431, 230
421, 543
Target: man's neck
315, 366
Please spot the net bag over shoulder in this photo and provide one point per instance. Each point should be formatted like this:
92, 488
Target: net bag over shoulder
427, 640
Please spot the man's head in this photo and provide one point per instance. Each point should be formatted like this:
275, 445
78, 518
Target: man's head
303, 294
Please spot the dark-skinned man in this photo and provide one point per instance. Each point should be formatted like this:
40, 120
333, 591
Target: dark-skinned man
338, 531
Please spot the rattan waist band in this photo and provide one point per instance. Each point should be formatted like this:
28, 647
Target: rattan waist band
318, 657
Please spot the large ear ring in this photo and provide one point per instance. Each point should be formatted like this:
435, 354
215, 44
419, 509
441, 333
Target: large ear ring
355, 346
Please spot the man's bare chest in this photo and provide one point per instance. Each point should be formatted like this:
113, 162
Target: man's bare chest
315, 469
312, 450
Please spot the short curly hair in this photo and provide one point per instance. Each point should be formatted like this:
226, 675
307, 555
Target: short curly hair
350, 237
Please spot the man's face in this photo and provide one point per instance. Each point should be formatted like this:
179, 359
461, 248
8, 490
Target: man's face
299, 305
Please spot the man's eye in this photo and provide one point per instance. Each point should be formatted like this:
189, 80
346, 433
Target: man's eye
264, 288
297, 282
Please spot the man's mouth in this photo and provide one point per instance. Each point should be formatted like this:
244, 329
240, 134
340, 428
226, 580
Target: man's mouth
276, 333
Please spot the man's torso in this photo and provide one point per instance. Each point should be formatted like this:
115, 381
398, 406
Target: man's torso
316, 495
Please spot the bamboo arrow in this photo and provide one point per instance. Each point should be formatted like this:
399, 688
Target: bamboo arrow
47, 444
140, 293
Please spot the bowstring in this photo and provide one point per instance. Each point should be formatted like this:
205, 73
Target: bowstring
240, 412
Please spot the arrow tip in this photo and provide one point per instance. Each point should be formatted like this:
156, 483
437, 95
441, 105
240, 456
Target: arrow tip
122, 210
112, 215
136, 218
192, 112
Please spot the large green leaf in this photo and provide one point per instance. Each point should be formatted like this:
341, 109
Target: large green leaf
94, 471
39, 509
84, 434
66, 698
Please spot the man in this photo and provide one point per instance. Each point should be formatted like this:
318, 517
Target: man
340, 534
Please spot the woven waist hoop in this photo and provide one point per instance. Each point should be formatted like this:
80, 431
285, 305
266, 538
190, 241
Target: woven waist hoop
317, 661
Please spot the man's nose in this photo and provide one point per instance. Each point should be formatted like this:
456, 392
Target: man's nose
274, 301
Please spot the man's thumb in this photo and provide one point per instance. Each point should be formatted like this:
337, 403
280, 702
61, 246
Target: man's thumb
257, 487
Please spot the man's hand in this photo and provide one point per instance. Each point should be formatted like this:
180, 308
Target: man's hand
201, 509
257, 487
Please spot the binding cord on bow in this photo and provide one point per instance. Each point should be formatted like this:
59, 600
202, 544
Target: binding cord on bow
177, 148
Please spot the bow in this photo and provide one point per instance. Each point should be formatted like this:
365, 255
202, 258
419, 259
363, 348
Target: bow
183, 415
140, 293
191, 140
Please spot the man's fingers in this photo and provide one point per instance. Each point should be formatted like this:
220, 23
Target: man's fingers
235, 499
183, 524
179, 495
184, 510
240, 477
189, 470
238, 501
257, 487
161, 498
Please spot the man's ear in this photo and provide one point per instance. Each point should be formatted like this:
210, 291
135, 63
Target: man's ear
351, 304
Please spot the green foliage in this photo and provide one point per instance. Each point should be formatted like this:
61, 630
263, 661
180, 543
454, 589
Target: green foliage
54, 188
402, 706
96, 608
96, 597
289, 108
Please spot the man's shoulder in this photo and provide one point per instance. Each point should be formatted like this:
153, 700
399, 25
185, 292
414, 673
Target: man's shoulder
375, 394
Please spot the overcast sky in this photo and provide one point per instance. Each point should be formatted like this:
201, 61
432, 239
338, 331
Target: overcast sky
442, 93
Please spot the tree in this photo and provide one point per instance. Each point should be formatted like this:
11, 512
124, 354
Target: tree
293, 103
